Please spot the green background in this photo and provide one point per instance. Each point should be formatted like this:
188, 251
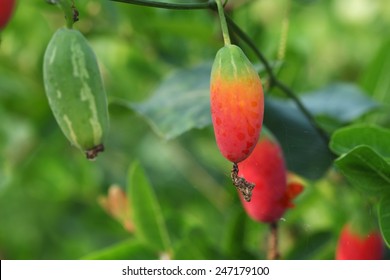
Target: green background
161, 150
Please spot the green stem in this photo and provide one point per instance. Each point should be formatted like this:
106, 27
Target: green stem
171, 6
67, 7
225, 31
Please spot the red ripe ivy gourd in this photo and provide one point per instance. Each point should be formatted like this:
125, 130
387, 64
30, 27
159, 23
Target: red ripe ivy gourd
265, 167
6, 10
237, 103
355, 246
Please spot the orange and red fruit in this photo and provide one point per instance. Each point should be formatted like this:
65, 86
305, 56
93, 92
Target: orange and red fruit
237, 103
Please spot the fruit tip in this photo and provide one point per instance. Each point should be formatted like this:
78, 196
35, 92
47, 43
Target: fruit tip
241, 184
92, 153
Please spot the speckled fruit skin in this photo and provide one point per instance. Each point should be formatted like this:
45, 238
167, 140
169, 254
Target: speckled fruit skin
237, 103
6, 10
352, 246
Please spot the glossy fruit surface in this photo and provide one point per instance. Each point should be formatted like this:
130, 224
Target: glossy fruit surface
353, 246
237, 103
265, 167
75, 90
6, 10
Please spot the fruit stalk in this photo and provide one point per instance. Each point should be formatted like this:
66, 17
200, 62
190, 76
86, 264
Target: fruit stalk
225, 31
71, 13
273, 253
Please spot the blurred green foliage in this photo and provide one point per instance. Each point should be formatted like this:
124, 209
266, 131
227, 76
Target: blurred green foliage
49, 192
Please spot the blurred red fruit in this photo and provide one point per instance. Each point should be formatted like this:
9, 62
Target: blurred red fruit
265, 167
352, 246
6, 10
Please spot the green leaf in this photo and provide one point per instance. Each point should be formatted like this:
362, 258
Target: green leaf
306, 152
148, 220
196, 246
342, 102
310, 247
240, 235
375, 79
180, 103
127, 250
345, 139
366, 170
235, 234
384, 218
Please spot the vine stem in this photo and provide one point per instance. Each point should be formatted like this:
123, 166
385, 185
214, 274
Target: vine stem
225, 31
273, 80
273, 252
171, 6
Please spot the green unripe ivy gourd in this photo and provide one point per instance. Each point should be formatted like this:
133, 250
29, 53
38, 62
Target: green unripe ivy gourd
75, 91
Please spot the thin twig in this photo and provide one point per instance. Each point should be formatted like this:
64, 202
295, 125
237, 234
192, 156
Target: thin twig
273, 252
171, 6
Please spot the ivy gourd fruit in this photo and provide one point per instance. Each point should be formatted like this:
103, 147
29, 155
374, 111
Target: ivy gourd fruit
237, 103
75, 90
